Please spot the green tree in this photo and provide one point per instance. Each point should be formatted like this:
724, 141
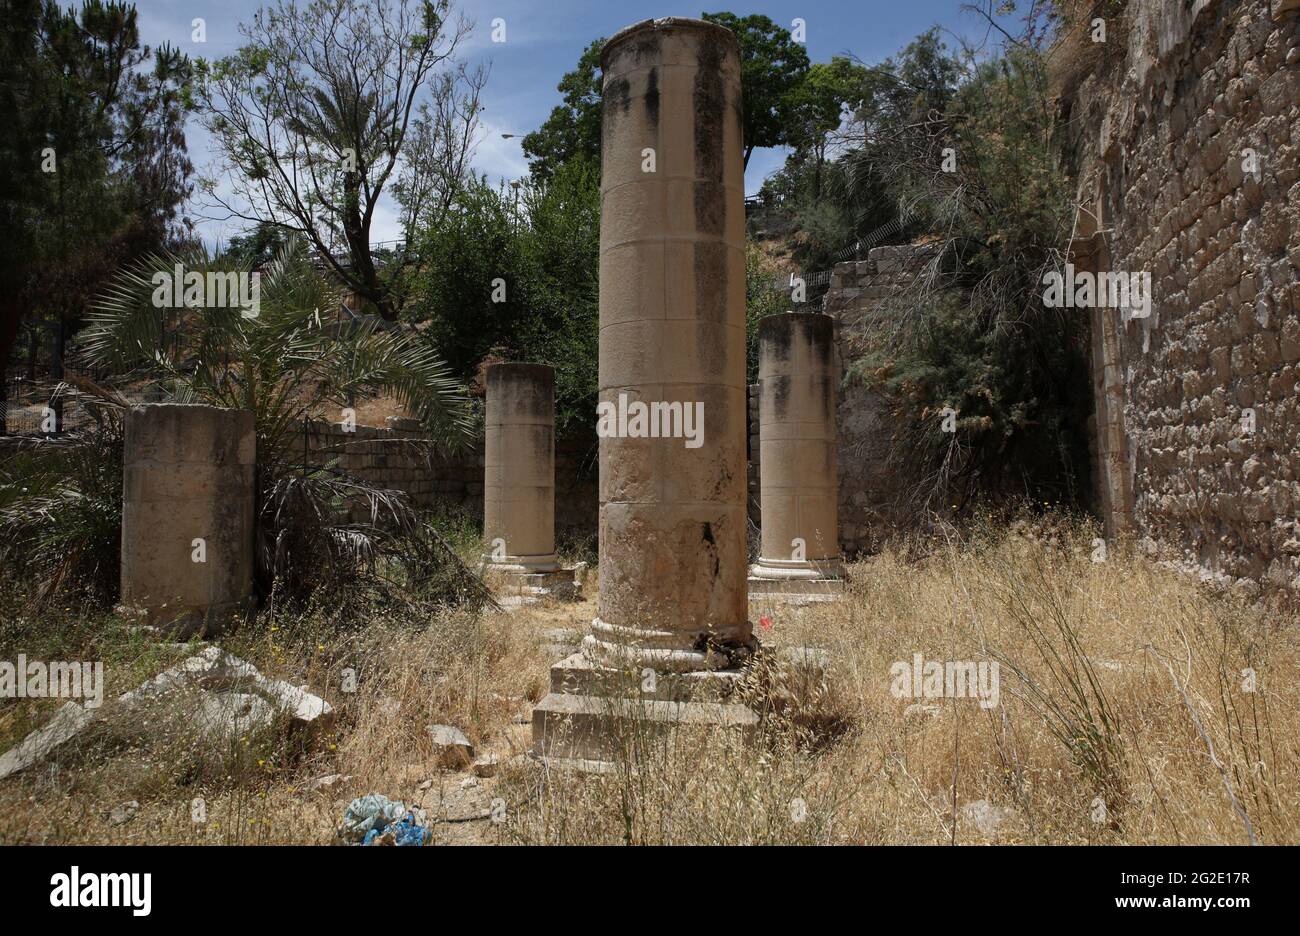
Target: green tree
281, 360
839, 202
93, 161
312, 118
973, 334
816, 107
22, 91
469, 285
561, 255
514, 275
772, 65
257, 246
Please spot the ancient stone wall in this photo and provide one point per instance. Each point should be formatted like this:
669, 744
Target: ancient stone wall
392, 458
1185, 136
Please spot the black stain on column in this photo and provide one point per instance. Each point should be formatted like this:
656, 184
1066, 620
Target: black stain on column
775, 336
644, 49
713, 549
652, 99
618, 95
780, 389
819, 331
617, 98
710, 269
710, 103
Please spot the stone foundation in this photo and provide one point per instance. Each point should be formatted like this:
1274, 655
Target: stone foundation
519, 587
820, 583
595, 715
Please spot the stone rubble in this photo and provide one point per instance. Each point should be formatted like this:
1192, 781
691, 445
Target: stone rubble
451, 748
223, 698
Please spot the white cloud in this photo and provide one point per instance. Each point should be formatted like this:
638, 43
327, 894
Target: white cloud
498, 157
386, 223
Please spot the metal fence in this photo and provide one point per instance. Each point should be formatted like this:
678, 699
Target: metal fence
24, 409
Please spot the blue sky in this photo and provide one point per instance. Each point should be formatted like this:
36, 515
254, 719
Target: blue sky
544, 39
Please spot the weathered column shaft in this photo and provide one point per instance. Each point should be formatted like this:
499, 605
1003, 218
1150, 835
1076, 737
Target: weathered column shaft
519, 468
187, 512
797, 375
672, 331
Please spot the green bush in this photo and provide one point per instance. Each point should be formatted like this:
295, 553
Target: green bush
513, 274
762, 298
974, 334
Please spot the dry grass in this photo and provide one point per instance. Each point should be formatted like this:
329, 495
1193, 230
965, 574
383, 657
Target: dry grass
1121, 685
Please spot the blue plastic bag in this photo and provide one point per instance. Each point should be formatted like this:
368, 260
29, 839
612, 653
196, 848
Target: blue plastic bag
368, 818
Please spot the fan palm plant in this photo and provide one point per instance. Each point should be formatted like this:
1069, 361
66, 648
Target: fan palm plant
290, 358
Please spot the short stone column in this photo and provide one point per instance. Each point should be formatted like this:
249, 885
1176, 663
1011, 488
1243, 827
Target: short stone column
519, 468
798, 480
188, 483
519, 482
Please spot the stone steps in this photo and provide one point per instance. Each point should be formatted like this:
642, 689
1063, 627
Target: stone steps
595, 714
571, 728
579, 675
795, 591
514, 590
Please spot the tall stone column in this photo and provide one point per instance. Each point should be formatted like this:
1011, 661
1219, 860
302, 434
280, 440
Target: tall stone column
187, 513
519, 469
672, 332
798, 480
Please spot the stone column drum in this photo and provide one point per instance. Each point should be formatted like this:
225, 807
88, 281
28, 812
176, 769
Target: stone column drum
672, 330
188, 479
519, 470
799, 486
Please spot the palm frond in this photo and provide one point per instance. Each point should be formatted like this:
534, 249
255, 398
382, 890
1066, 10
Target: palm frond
285, 363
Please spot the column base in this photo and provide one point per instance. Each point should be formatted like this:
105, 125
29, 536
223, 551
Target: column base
596, 716
516, 584
623, 647
520, 564
796, 582
184, 623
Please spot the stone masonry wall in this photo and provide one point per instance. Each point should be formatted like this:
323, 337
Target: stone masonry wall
1197, 423
391, 457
